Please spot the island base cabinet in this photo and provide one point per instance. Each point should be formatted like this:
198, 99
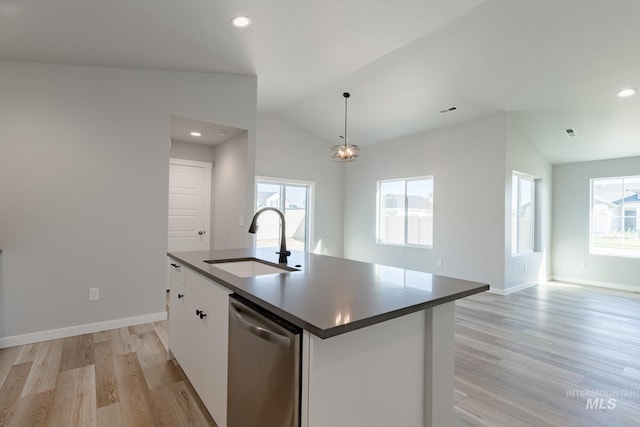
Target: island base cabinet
176, 319
206, 339
387, 374
198, 337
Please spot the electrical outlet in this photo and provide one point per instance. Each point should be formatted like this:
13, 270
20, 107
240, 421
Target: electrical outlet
241, 221
94, 294
524, 268
439, 262
582, 264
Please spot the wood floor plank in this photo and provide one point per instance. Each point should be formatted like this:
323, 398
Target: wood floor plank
28, 353
192, 391
632, 373
140, 329
120, 341
101, 336
8, 357
11, 390
77, 352
106, 382
110, 416
44, 371
161, 374
176, 407
154, 359
162, 330
33, 410
135, 400
74, 402
149, 348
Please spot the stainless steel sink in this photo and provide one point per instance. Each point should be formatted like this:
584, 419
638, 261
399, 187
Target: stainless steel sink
249, 267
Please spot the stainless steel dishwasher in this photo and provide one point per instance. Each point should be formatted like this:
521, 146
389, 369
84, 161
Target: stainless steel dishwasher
264, 368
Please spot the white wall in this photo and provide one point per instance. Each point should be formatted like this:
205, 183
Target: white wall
202, 153
233, 183
191, 151
571, 205
284, 150
522, 156
83, 186
468, 164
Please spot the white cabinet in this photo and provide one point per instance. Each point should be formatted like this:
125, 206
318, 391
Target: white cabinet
176, 319
198, 336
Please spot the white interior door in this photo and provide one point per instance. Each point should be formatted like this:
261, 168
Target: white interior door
189, 205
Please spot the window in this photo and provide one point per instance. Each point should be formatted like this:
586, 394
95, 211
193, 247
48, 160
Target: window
615, 210
292, 198
405, 212
523, 196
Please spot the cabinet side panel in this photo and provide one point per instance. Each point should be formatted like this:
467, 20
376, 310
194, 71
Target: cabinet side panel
369, 377
304, 382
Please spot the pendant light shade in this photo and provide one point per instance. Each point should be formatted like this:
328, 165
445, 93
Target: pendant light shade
345, 152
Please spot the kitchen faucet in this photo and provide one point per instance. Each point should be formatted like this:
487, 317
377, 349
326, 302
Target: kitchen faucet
253, 228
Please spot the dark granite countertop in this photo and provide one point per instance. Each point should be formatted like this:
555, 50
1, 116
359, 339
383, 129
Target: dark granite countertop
330, 296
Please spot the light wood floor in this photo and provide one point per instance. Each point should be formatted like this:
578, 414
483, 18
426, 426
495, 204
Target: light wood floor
533, 358
536, 357
121, 377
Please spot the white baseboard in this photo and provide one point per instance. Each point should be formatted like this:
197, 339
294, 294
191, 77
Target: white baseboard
88, 328
609, 285
512, 289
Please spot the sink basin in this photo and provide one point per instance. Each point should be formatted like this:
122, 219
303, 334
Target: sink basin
249, 267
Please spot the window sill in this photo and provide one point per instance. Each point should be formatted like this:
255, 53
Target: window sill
401, 245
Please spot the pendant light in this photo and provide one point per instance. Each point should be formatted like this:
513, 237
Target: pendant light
345, 152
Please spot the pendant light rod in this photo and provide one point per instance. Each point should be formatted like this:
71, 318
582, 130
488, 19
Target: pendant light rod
346, 98
345, 152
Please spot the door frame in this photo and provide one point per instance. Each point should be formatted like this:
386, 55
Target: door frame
207, 166
311, 185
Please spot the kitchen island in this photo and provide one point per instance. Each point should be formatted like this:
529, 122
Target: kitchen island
377, 345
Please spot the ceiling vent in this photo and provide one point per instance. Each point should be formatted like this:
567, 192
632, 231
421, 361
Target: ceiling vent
448, 110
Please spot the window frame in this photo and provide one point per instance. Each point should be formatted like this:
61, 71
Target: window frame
622, 253
406, 207
515, 217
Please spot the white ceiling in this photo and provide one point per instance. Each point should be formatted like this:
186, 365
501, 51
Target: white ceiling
554, 64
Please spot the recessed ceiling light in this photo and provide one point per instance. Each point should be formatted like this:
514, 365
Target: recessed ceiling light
195, 133
624, 93
222, 133
241, 21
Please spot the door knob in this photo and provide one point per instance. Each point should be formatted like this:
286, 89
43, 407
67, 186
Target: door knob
201, 232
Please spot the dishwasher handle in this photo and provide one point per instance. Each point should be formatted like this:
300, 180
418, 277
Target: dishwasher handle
273, 337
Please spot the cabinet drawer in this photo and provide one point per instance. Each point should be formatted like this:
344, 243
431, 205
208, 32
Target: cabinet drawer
176, 271
208, 290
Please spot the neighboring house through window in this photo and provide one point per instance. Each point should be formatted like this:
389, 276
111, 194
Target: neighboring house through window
405, 212
293, 199
615, 214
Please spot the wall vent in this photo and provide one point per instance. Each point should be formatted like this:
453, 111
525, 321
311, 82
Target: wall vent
570, 133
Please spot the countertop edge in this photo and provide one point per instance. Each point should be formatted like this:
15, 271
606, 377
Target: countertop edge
336, 330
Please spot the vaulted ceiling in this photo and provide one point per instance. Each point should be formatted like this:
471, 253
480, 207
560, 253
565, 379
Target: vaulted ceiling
552, 65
